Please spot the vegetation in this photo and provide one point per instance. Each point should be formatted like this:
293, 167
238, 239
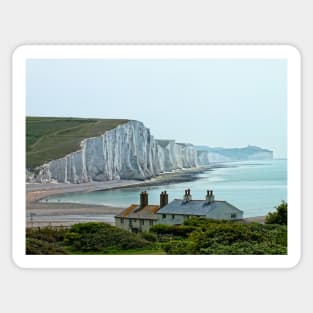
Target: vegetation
49, 138
46, 240
279, 216
227, 237
173, 230
196, 236
101, 237
88, 238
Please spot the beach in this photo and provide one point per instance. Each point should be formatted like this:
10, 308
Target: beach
41, 213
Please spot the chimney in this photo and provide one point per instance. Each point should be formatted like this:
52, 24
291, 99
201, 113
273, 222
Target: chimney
212, 196
208, 197
143, 199
187, 196
163, 199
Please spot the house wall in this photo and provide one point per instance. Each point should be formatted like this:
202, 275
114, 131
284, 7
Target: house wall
225, 214
219, 214
142, 225
172, 219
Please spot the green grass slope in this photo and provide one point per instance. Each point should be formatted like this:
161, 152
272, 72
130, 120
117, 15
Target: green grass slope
50, 138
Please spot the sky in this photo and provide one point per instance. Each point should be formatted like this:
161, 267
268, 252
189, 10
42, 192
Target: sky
214, 102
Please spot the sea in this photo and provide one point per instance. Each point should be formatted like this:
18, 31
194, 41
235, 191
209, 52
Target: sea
255, 187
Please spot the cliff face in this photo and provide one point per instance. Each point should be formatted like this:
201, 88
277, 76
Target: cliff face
128, 151
203, 157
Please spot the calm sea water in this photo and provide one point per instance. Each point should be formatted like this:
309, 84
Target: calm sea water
255, 187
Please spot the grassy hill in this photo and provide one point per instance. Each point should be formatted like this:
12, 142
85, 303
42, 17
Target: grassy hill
49, 138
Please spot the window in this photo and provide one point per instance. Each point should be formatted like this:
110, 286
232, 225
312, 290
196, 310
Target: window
122, 220
173, 216
142, 222
151, 223
233, 215
163, 215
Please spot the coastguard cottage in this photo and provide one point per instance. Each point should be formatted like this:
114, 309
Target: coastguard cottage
177, 211
142, 217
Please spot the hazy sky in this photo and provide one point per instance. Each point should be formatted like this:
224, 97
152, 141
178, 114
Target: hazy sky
215, 102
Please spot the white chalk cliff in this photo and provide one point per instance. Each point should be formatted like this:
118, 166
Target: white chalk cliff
128, 151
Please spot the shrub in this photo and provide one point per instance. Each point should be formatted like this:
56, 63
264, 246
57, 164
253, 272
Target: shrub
222, 237
49, 233
36, 246
99, 237
148, 236
279, 216
174, 230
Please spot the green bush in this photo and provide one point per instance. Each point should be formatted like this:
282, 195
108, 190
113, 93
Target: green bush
174, 230
280, 216
177, 247
148, 236
216, 237
100, 237
49, 233
37, 246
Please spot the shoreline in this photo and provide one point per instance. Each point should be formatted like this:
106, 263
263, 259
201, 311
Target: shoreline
38, 191
39, 213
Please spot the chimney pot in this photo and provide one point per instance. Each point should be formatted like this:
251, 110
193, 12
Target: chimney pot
146, 198
141, 200
163, 199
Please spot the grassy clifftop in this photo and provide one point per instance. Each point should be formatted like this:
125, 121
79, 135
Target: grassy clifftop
49, 138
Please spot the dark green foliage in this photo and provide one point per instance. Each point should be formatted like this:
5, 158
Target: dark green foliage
90, 237
36, 246
101, 237
177, 247
223, 237
49, 138
280, 216
148, 236
174, 230
46, 240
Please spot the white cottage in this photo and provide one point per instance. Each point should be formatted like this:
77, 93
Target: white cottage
139, 218
177, 211
142, 217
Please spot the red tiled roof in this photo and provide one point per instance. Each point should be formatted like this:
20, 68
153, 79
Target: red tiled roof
133, 211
